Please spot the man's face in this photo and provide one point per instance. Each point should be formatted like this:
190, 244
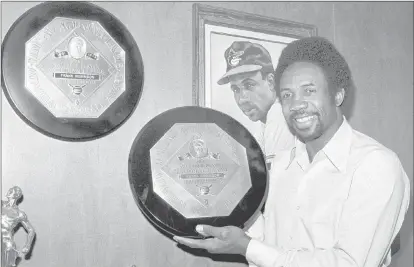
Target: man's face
308, 106
79, 45
253, 94
198, 147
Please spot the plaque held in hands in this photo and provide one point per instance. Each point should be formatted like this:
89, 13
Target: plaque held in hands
194, 165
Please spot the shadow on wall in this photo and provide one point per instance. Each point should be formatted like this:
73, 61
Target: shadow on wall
349, 102
400, 245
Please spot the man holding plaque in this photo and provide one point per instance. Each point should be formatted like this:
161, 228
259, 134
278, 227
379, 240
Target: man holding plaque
250, 75
338, 198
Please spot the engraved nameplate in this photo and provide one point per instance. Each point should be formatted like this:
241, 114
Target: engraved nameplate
74, 68
200, 170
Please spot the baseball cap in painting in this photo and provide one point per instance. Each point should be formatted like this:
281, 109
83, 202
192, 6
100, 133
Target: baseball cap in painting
242, 57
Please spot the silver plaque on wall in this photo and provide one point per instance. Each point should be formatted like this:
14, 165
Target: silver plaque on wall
71, 70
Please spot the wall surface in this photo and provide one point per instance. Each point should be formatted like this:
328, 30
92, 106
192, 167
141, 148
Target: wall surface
77, 195
377, 41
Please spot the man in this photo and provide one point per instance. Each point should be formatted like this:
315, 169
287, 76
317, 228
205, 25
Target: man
338, 199
11, 217
250, 74
77, 47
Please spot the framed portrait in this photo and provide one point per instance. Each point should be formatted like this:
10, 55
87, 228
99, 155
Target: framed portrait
215, 29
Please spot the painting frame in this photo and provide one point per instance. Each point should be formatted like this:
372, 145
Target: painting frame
208, 15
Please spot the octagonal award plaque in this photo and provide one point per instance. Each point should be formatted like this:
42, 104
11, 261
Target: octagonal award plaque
71, 70
194, 165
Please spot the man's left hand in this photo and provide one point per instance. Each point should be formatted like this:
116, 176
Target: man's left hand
223, 240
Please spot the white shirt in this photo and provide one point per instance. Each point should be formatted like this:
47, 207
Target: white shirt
275, 135
342, 210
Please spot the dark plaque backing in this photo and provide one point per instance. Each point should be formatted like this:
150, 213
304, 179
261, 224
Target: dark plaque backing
71, 70
222, 182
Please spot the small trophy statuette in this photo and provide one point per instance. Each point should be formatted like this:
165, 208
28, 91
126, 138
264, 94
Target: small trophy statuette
11, 218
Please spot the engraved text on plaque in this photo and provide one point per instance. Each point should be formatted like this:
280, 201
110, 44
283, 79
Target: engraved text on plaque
74, 68
200, 170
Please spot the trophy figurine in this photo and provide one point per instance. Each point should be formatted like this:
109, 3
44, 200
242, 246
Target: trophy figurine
11, 218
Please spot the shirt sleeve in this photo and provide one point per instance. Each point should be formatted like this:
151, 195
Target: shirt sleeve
256, 232
372, 216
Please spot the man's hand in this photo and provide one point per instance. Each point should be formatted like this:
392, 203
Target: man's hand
224, 240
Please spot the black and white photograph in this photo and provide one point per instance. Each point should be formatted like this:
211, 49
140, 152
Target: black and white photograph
206, 134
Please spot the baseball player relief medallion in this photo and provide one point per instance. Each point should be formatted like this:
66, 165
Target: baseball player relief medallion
194, 165
77, 75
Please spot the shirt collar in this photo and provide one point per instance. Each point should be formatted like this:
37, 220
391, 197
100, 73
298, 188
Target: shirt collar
273, 109
336, 150
273, 113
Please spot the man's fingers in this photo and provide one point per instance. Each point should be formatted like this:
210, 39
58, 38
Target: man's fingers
208, 230
194, 243
207, 244
210, 244
200, 230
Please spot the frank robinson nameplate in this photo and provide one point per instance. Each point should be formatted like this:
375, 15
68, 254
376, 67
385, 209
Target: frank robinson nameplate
71, 70
193, 165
